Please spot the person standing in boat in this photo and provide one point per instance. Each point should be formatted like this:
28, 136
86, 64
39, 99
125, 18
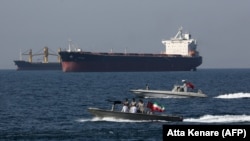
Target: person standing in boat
132, 106
184, 86
125, 106
147, 87
187, 85
140, 106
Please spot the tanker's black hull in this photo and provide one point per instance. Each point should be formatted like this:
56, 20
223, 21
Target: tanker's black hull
24, 65
119, 62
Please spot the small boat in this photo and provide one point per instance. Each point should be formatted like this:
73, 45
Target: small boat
178, 91
102, 113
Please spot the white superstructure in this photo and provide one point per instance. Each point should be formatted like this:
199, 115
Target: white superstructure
181, 44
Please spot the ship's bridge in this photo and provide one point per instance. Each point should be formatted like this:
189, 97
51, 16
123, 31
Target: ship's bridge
181, 44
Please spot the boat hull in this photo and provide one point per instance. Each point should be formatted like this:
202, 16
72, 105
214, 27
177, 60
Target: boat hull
132, 116
119, 62
162, 94
24, 65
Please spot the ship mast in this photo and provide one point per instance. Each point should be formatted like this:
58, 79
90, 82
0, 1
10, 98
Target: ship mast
20, 55
72, 47
70, 41
30, 55
179, 34
59, 57
46, 54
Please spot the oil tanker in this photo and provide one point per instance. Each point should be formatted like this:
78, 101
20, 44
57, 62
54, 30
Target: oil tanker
42, 65
180, 55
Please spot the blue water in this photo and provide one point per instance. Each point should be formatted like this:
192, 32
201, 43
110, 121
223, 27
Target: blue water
51, 105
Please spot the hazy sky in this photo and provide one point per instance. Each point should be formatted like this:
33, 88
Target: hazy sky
221, 27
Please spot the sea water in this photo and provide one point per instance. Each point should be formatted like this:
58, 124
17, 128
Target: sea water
52, 105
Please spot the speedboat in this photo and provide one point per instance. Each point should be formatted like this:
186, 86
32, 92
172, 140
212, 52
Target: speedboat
148, 116
176, 92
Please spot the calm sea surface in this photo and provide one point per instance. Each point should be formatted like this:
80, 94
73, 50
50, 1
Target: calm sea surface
52, 105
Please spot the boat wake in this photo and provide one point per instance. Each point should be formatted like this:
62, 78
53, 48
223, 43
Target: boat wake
220, 119
234, 95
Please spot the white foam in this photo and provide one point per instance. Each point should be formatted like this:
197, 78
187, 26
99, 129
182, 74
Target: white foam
234, 95
220, 119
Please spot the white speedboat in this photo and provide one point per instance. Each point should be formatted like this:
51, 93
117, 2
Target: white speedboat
177, 91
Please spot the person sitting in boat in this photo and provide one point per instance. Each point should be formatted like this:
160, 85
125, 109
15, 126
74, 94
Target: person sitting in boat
140, 106
125, 106
132, 106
